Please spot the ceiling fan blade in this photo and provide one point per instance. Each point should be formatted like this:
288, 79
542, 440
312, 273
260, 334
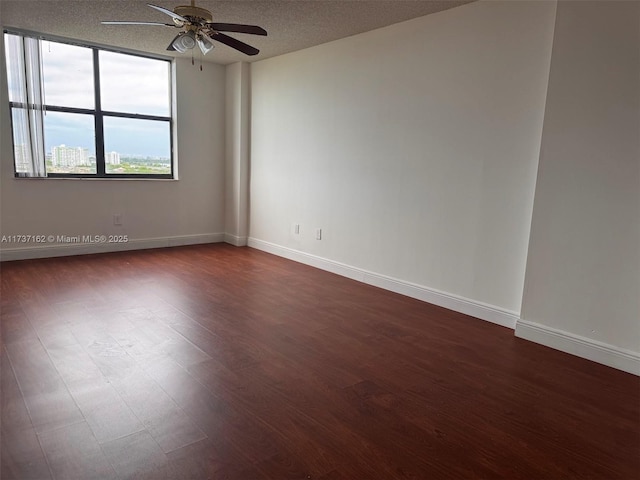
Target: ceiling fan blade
239, 28
138, 23
233, 43
169, 12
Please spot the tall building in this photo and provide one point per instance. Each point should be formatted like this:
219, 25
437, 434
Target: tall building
63, 156
112, 158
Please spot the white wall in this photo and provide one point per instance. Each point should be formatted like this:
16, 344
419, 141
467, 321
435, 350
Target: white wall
583, 273
154, 213
414, 148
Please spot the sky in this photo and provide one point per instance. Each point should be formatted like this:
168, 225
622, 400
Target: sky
128, 83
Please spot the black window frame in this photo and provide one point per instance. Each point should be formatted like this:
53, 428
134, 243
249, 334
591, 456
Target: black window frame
98, 113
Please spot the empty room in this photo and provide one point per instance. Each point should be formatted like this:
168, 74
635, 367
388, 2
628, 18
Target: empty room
320, 239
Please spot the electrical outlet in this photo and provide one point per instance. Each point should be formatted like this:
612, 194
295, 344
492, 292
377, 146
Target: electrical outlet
318, 234
117, 219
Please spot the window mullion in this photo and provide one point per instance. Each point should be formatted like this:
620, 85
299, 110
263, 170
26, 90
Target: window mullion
99, 122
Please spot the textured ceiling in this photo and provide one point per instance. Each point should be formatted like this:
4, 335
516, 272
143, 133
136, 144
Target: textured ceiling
292, 24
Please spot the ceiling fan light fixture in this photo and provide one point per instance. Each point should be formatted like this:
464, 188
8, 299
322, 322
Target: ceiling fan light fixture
204, 42
184, 41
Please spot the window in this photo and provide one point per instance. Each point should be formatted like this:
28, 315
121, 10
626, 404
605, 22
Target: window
83, 111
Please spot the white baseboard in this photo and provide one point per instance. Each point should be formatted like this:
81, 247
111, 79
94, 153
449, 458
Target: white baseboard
456, 303
46, 251
625, 360
235, 240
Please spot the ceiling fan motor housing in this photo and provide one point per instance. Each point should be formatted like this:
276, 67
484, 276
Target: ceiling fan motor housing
190, 12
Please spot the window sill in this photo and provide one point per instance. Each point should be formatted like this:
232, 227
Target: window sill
94, 179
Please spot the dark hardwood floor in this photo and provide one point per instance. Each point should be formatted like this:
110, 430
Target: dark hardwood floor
217, 362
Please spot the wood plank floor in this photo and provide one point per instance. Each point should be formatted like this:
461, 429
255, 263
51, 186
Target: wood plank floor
217, 362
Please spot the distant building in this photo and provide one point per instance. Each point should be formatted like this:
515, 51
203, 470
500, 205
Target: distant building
112, 158
63, 156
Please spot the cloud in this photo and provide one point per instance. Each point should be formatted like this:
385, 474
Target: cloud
68, 75
134, 84
128, 83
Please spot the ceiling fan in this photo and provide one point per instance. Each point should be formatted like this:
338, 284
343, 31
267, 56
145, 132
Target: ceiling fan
199, 29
